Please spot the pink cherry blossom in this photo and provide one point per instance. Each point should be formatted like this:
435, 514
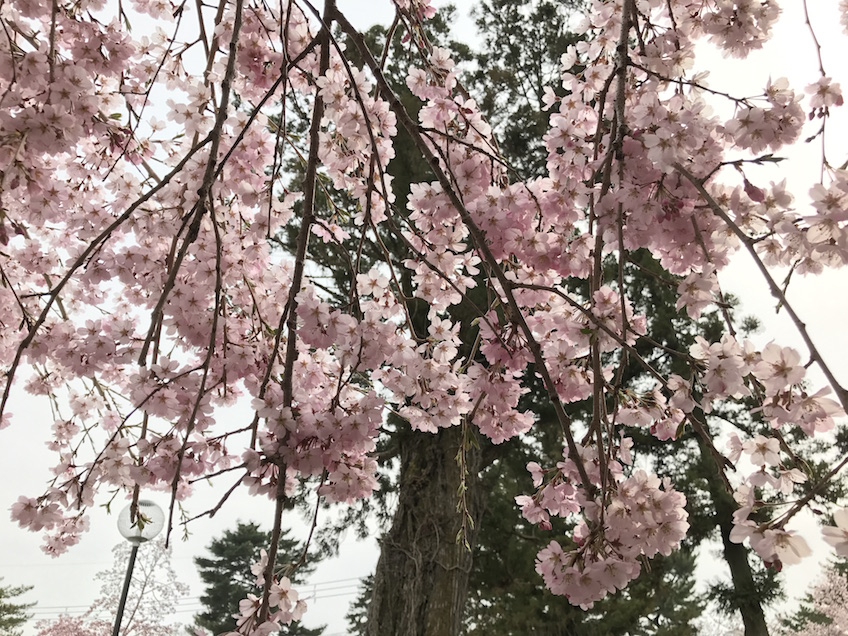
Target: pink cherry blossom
824, 93
762, 450
143, 191
837, 536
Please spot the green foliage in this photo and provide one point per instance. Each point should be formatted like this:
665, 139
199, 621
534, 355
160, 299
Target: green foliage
357, 614
805, 617
507, 595
519, 58
228, 579
767, 589
13, 614
508, 598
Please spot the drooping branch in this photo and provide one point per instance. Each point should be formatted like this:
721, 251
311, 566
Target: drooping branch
307, 216
194, 218
478, 237
775, 289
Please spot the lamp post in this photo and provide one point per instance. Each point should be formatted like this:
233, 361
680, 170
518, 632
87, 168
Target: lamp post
149, 522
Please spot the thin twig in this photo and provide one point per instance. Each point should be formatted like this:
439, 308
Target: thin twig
308, 213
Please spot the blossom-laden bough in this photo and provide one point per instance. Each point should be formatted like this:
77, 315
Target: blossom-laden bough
140, 292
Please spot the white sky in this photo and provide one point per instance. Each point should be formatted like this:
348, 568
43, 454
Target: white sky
67, 584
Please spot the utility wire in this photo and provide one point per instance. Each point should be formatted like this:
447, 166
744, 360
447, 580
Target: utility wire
192, 604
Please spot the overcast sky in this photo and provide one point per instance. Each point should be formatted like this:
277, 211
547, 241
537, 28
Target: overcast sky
67, 584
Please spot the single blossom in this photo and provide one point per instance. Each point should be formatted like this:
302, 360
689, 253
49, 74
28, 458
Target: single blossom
837, 535
763, 450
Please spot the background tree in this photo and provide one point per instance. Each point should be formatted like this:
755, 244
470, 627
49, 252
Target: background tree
420, 581
228, 578
13, 614
517, 61
67, 625
714, 622
824, 609
151, 600
512, 69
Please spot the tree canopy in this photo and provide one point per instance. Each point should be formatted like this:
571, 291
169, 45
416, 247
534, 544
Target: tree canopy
146, 180
150, 604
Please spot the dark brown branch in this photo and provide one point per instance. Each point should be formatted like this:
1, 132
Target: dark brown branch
198, 210
323, 38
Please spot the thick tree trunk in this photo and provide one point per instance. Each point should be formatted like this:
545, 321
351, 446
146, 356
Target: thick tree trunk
735, 554
421, 579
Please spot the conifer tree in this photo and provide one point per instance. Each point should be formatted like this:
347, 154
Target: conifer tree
226, 573
511, 71
13, 614
475, 588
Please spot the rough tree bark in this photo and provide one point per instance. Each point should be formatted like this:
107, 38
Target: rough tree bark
421, 580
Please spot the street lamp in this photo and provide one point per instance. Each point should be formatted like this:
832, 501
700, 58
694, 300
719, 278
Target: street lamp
150, 519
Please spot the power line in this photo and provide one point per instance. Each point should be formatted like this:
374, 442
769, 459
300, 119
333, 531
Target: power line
320, 589
192, 604
73, 564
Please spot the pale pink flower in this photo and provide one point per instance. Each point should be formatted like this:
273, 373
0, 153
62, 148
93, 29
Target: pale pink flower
536, 472
763, 450
815, 412
843, 15
780, 367
441, 59
787, 479
734, 447
696, 291
825, 93
837, 536
790, 547
531, 510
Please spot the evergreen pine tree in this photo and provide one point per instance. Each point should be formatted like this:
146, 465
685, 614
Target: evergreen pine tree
505, 594
228, 579
12, 613
509, 79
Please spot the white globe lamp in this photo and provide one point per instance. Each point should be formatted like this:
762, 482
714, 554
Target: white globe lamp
149, 521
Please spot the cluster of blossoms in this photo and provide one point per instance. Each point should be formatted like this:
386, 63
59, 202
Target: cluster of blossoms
285, 604
843, 14
139, 266
740, 26
638, 519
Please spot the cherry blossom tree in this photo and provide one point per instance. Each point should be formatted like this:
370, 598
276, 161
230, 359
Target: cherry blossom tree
152, 598
140, 294
823, 612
